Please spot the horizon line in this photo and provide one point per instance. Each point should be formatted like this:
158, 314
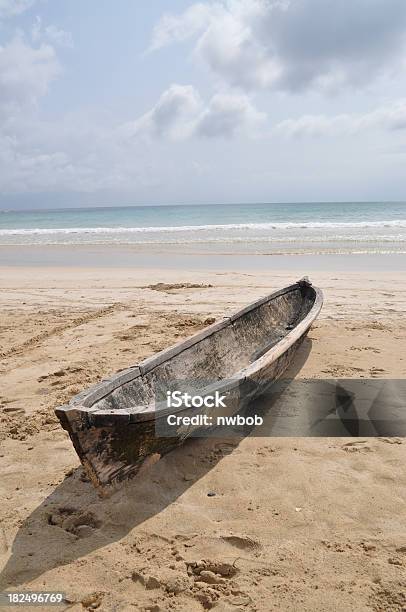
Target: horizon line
264, 203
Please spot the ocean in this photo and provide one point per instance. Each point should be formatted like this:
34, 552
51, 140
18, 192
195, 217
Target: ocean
274, 229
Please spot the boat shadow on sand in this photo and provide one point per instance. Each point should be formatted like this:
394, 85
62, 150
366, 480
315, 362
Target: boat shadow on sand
74, 521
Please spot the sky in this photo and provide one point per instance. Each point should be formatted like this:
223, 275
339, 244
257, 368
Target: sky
165, 102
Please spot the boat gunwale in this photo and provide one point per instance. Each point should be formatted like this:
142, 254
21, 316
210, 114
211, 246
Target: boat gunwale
226, 384
148, 364
79, 404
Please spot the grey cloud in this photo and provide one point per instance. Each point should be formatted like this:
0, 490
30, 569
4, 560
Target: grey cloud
297, 44
172, 114
227, 114
330, 42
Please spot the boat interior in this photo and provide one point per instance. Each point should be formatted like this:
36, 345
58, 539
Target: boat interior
217, 353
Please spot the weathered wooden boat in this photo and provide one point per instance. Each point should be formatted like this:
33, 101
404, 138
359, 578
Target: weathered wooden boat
119, 425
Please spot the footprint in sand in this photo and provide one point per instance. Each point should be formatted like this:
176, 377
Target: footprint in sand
375, 371
356, 447
173, 286
226, 570
241, 542
80, 523
365, 348
391, 440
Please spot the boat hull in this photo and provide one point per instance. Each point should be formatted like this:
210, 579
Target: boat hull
114, 445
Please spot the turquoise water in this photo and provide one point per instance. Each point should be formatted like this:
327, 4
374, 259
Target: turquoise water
257, 228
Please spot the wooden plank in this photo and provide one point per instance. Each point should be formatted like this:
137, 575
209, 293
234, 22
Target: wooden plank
104, 387
152, 362
260, 302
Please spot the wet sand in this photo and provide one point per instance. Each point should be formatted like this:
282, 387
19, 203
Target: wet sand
196, 257
294, 523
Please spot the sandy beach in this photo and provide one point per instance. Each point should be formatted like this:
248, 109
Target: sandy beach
315, 524
174, 176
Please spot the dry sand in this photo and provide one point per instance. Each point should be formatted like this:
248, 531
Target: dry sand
295, 524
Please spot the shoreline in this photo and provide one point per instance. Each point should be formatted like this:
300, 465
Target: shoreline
129, 257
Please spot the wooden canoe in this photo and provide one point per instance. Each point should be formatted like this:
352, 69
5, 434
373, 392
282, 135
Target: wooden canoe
113, 425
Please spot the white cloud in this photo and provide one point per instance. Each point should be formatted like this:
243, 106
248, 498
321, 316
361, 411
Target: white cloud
76, 156
172, 28
25, 73
230, 46
315, 125
249, 45
11, 8
50, 33
391, 117
293, 45
85, 156
82, 155
180, 114
23, 171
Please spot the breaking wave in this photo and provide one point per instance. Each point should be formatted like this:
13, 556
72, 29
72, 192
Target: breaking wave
210, 227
